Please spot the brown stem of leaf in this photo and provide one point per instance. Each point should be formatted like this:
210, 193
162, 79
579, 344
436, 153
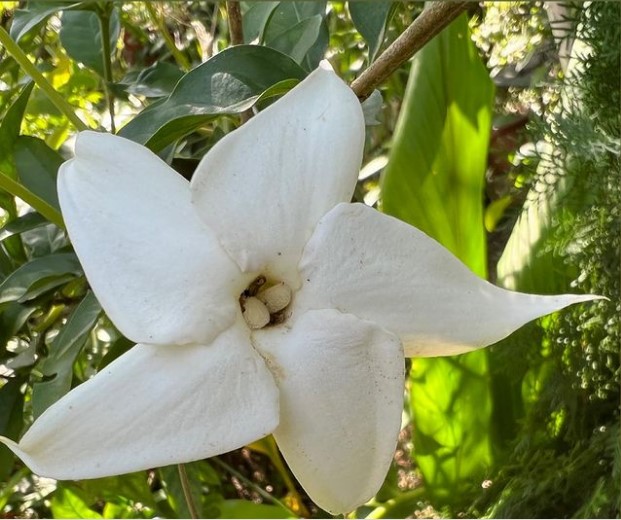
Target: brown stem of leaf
430, 22
236, 33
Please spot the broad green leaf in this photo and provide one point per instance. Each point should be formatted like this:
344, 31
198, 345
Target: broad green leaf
298, 39
434, 180
255, 19
34, 14
228, 83
51, 271
158, 80
80, 35
26, 222
62, 354
248, 509
284, 26
37, 165
200, 474
11, 421
371, 20
67, 503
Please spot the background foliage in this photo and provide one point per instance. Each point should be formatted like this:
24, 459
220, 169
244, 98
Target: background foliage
518, 175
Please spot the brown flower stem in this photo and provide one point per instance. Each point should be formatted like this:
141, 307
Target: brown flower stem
187, 491
236, 35
430, 22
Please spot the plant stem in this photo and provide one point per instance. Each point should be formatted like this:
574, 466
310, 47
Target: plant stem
16, 189
430, 22
20, 57
236, 35
258, 489
235, 22
104, 24
187, 491
182, 61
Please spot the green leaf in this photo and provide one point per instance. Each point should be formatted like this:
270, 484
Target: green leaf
298, 39
132, 487
10, 129
26, 282
13, 316
248, 509
11, 421
66, 503
80, 35
528, 263
37, 165
434, 180
255, 19
371, 20
158, 80
21, 224
37, 12
228, 83
289, 30
117, 349
63, 353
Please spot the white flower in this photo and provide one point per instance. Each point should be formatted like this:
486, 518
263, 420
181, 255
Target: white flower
184, 270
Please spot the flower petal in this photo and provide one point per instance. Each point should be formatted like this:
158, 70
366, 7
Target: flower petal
379, 268
264, 187
156, 269
341, 382
155, 406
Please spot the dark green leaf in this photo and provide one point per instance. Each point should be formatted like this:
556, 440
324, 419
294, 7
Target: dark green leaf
228, 83
37, 165
298, 39
12, 318
26, 222
132, 487
156, 81
58, 266
80, 34
37, 12
371, 20
11, 421
255, 19
9, 130
63, 352
434, 180
280, 27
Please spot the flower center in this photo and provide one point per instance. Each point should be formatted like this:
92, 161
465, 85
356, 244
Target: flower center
264, 303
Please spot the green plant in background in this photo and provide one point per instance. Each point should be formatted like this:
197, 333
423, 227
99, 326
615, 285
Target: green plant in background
526, 429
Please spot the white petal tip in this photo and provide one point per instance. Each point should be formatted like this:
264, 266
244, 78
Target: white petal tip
325, 65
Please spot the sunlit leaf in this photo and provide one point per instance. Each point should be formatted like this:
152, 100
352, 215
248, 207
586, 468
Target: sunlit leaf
434, 180
66, 503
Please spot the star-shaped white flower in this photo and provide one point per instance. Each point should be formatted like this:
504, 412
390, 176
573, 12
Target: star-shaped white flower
261, 301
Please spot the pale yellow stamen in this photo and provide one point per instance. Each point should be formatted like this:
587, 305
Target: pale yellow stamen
255, 313
276, 297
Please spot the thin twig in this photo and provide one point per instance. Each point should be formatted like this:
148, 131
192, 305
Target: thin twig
187, 491
104, 24
257, 488
235, 22
430, 22
236, 35
158, 21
